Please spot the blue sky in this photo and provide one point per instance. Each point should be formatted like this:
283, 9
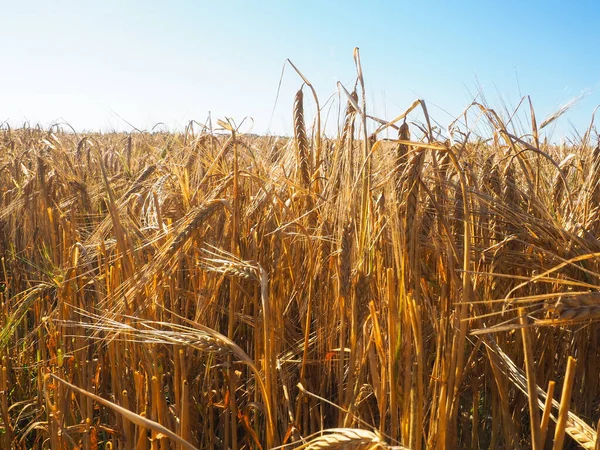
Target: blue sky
88, 63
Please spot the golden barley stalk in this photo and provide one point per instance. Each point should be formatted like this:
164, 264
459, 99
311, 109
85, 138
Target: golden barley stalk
302, 145
345, 438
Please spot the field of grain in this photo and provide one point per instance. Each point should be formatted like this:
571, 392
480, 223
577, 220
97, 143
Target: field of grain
209, 289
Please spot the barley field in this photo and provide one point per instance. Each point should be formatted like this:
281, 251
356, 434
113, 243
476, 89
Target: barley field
214, 290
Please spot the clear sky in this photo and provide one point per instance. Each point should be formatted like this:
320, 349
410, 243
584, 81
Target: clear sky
88, 63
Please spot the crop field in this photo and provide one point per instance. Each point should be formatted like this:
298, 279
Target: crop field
215, 290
